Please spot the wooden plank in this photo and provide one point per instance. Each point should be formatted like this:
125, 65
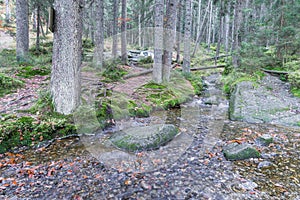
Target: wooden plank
209, 67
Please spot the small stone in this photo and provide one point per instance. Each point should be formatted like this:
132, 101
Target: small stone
249, 185
265, 165
145, 185
236, 151
264, 140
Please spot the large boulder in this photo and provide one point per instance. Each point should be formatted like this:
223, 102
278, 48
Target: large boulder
267, 102
144, 138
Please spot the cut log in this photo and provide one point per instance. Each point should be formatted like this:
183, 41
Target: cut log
275, 71
138, 74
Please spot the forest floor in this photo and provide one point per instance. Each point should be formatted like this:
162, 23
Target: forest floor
66, 169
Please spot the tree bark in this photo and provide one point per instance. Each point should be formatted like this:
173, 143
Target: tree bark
37, 44
158, 41
200, 30
210, 26
22, 35
227, 25
123, 33
178, 33
7, 12
169, 38
237, 35
187, 38
66, 60
115, 28
99, 35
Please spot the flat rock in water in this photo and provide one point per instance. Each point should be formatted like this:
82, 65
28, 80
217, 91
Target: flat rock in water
236, 151
264, 140
144, 138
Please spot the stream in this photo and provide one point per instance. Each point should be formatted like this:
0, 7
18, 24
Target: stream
191, 166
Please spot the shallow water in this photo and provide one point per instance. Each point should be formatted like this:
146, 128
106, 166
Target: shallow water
276, 174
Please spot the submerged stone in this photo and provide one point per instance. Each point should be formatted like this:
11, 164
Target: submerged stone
264, 140
144, 138
236, 151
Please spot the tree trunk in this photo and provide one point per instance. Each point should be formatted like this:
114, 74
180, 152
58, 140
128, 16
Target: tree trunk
37, 44
169, 38
22, 35
178, 34
158, 41
115, 28
66, 60
187, 38
227, 25
210, 26
200, 30
99, 35
237, 35
220, 35
7, 12
199, 19
123, 33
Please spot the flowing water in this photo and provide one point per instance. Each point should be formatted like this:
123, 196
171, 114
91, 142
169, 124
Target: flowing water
205, 129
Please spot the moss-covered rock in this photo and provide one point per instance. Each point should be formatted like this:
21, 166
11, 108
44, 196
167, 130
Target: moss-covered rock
264, 140
144, 138
234, 151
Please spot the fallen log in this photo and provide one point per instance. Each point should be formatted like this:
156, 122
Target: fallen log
216, 57
275, 71
137, 74
209, 67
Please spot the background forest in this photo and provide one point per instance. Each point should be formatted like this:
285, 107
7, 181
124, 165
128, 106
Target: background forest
247, 37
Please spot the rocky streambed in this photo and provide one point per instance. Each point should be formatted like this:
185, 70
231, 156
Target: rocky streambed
191, 166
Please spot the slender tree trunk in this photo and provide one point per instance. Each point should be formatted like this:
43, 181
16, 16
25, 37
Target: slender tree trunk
237, 35
7, 11
221, 17
41, 26
178, 34
227, 26
66, 60
210, 26
200, 30
22, 35
115, 28
37, 44
187, 38
169, 38
158, 41
123, 34
99, 35
199, 19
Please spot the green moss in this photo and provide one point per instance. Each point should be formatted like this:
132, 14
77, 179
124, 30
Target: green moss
146, 60
30, 71
113, 72
28, 131
230, 80
8, 84
196, 82
296, 92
